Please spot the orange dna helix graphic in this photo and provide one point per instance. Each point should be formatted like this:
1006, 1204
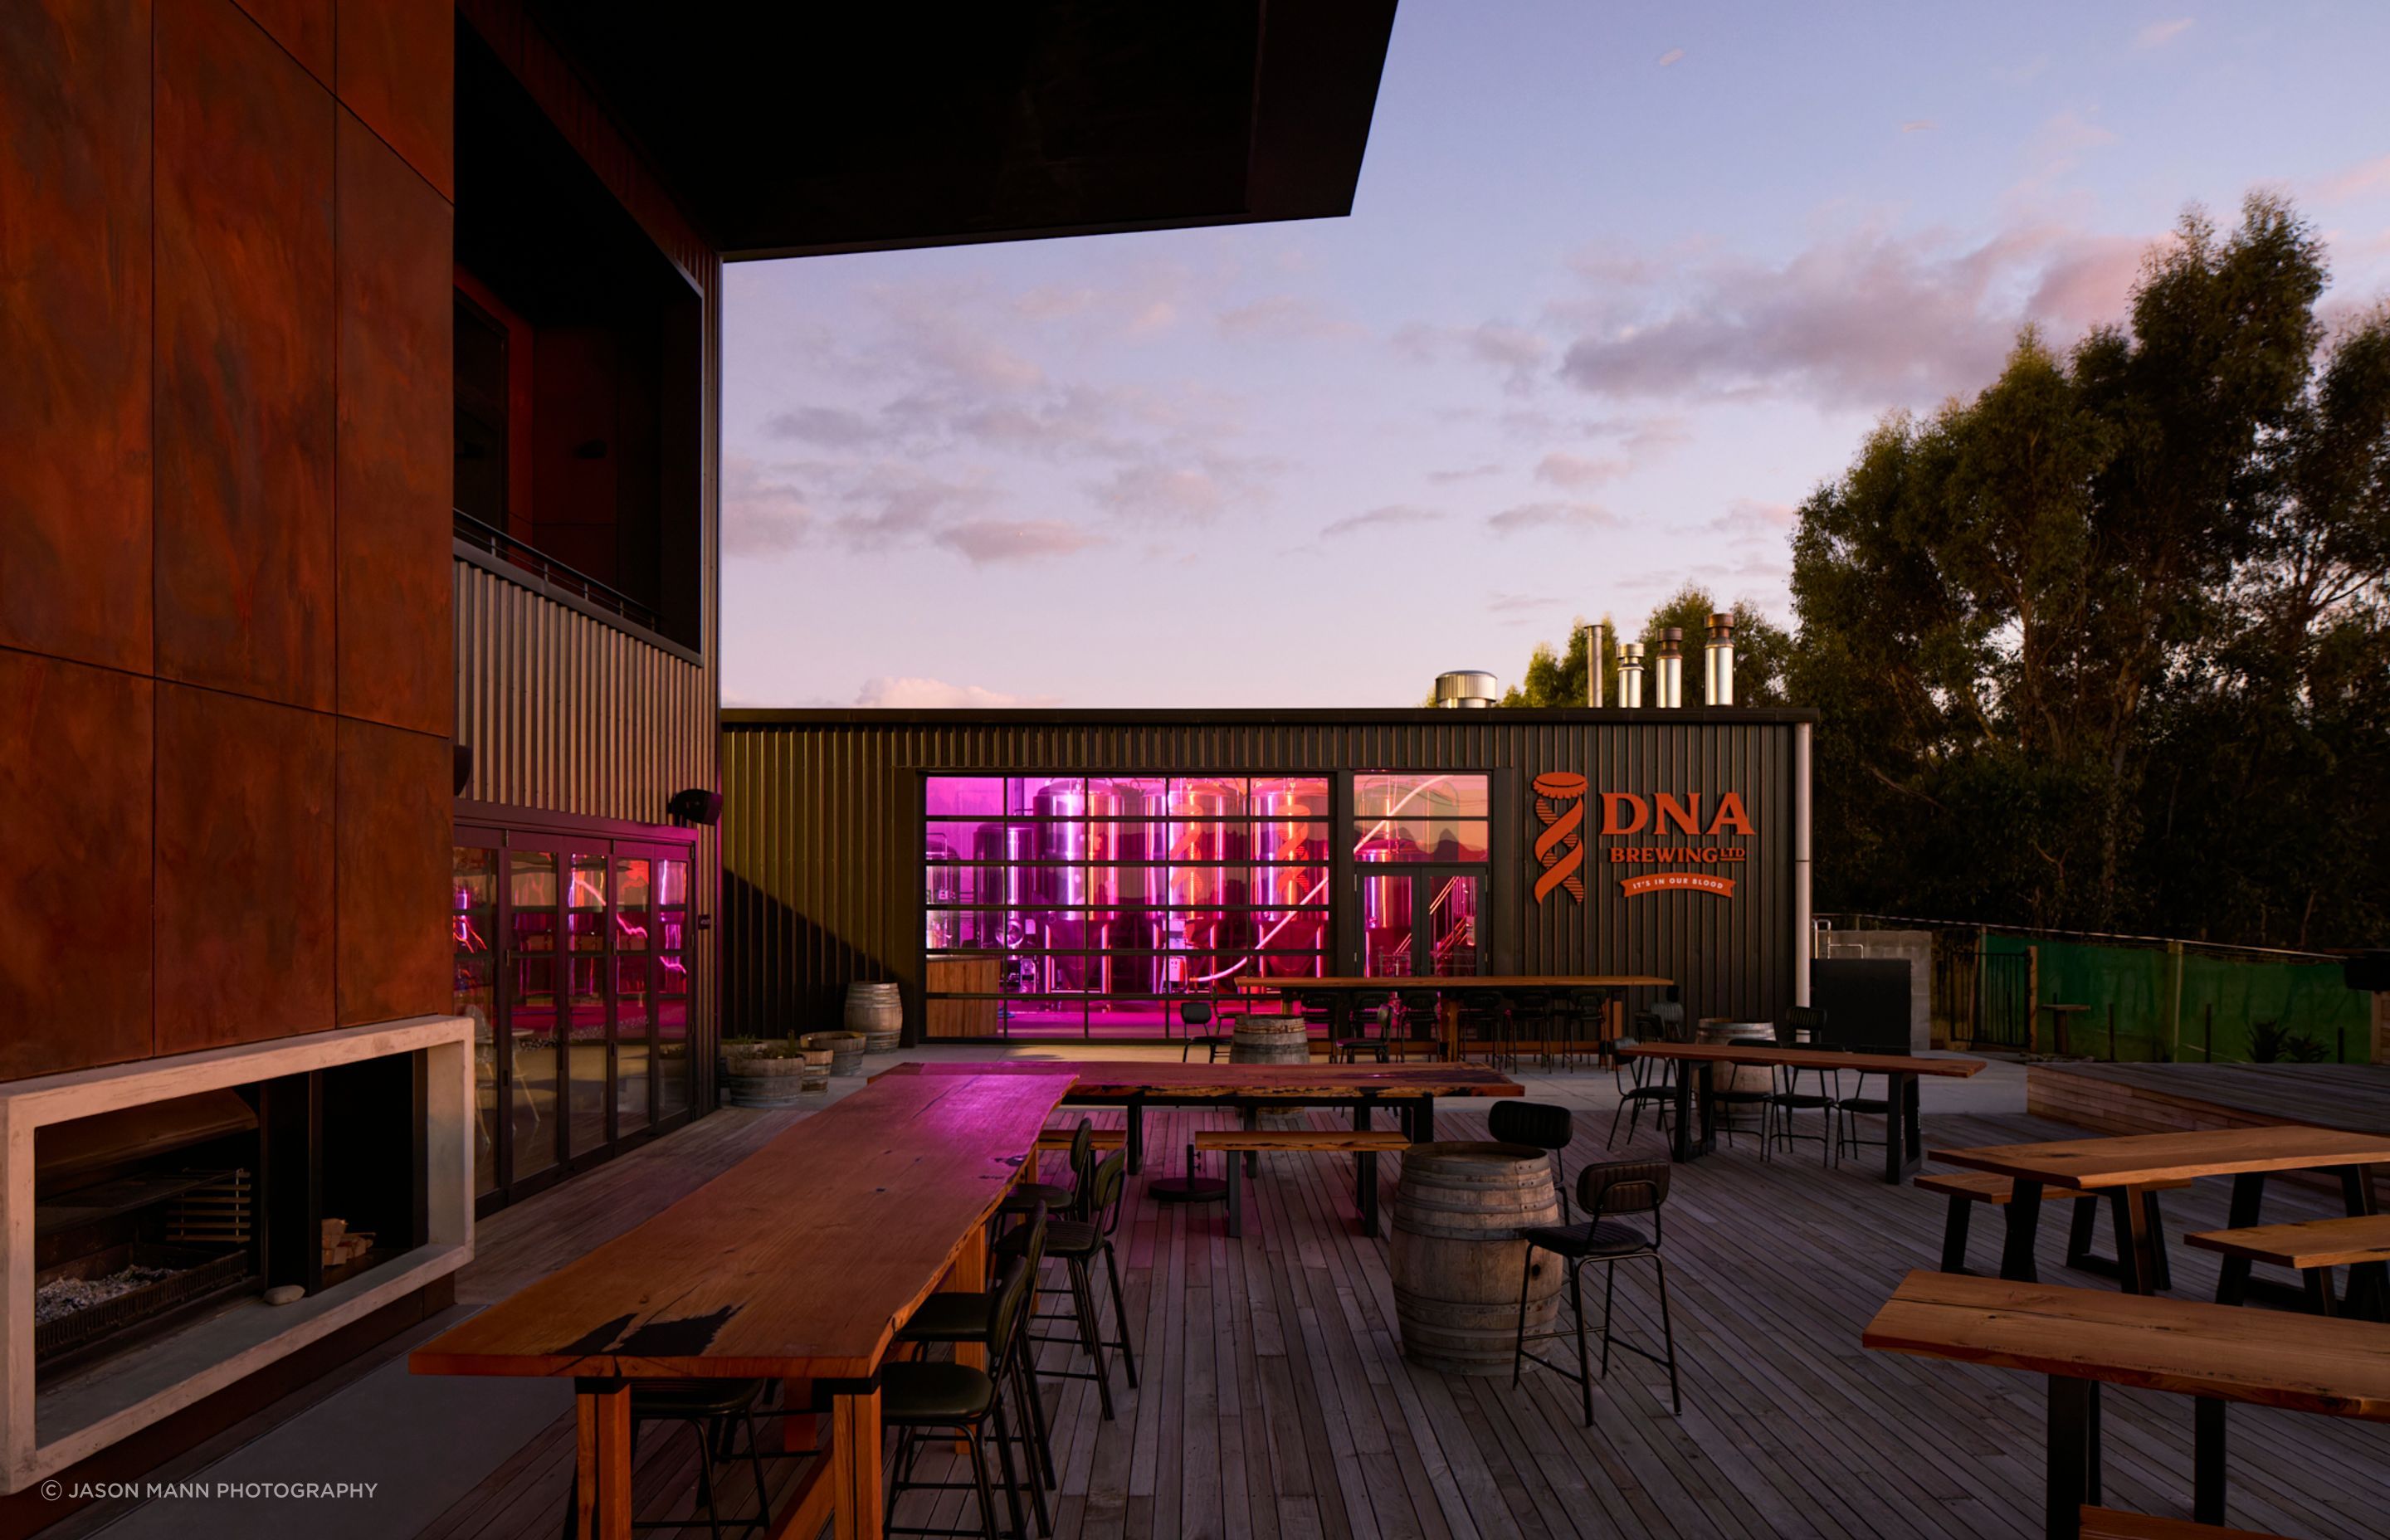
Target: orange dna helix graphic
1560, 803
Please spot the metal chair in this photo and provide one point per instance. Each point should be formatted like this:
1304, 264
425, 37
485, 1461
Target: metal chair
1416, 1013
1605, 1192
1366, 1004
943, 1397
1644, 1081
1542, 1126
1191, 1014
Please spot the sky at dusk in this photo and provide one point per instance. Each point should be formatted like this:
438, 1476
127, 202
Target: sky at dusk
1621, 284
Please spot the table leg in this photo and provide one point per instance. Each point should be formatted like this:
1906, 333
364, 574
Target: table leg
1681, 1139
1447, 1015
1362, 1179
1704, 1081
1369, 1193
1251, 1116
2368, 1282
968, 1276
2137, 1243
2024, 1226
1896, 1122
858, 1501
601, 1507
2208, 1460
1423, 1121
2248, 1198
1236, 1197
2067, 1481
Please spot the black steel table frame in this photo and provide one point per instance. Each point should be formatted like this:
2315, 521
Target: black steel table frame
1903, 1138
2074, 1457
1416, 1110
2140, 1267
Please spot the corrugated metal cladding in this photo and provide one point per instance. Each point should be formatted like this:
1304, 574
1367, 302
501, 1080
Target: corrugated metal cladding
568, 714
821, 830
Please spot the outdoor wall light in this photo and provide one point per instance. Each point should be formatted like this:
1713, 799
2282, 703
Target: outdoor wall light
695, 805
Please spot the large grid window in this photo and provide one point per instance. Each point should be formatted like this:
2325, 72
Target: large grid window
1093, 905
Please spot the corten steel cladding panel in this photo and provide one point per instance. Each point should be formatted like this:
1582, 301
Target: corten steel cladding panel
245, 398
74, 368
75, 914
823, 826
395, 454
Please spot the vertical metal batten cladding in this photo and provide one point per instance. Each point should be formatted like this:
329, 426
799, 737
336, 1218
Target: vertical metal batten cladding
822, 833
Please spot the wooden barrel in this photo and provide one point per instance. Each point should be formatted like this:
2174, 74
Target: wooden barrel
845, 1049
762, 1080
1272, 1040
1462, 1211
1756, 1078
878, 1013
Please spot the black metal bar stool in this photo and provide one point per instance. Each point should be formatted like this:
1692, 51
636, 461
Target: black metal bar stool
1542, 1126
1198, 1013
1603, 1191
1077, 1243
943, 1397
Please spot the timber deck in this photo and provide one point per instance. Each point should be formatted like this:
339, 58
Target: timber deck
1275, 1402
2162, 1098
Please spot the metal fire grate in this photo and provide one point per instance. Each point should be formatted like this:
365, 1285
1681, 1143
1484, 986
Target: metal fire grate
203, 1273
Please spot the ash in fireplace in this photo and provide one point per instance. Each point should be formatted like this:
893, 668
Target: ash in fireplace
60, 1298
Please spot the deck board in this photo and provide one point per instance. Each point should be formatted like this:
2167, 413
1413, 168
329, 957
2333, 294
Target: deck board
1276, 1403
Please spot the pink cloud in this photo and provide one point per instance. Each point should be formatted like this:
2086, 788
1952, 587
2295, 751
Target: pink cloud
994, 540
2157, 34
1551, 515
916, 693
1563, 470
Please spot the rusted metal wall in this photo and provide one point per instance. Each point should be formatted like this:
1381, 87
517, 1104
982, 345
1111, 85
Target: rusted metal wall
822, 833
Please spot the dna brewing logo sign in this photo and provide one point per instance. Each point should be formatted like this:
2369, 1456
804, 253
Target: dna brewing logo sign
1560, 803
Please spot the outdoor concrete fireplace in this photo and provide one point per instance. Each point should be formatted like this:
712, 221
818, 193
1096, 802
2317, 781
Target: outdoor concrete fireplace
147, 1209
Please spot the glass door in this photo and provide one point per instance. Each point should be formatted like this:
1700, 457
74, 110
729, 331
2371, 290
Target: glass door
474, 937
534, 1001
1421, 923
571, 961
673, 996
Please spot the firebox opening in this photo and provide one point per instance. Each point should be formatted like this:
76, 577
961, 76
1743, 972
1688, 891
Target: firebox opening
142, 1217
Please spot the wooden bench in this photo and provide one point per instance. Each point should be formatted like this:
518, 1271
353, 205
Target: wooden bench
1364, 1145
2109, 1524
1060, 1139
1967, 1188
2312, 1248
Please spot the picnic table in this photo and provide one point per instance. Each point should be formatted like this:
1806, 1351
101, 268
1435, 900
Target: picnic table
800, 1264
1136, 1083
2082, 1338
2133, 1162
1448, 1012
1693, 1062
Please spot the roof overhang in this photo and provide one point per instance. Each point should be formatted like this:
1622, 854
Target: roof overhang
811, 129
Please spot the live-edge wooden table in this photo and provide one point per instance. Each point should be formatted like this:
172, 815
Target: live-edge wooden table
2128, 1163
800, 1264
2081, 1338
1449, 1014
1901, 1139
1136, 1083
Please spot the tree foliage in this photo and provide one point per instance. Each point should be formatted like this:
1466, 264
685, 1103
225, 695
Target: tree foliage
2107, 646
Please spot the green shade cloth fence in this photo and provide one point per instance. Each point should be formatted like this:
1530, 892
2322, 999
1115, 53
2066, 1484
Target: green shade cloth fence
2190, 1006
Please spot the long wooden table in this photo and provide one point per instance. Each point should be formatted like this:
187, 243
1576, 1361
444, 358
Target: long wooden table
1136, 1084
1901, 1138
2132, 1161
798, 1265
1449, 1018
2081, 1338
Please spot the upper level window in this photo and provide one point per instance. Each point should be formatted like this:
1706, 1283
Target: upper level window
579, 371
